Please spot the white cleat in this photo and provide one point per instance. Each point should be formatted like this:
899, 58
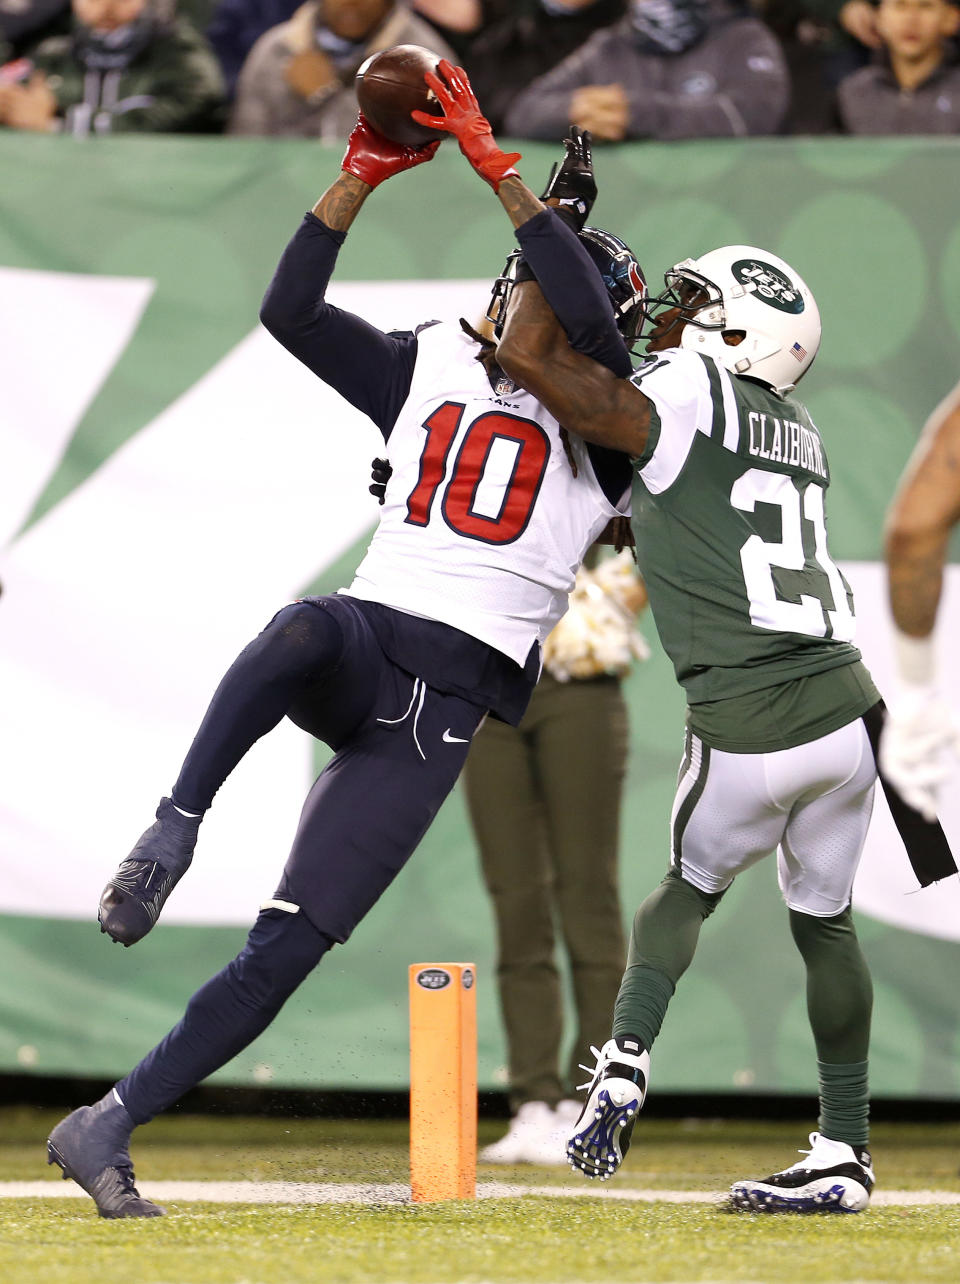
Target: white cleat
832, 1178
601, 1136
534, 1121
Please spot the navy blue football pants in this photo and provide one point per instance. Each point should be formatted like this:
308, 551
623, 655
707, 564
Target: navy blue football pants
398, 749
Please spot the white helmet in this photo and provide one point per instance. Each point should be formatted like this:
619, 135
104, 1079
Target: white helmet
756, 293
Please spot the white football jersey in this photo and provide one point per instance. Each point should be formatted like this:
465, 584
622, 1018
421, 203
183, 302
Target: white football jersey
484, 524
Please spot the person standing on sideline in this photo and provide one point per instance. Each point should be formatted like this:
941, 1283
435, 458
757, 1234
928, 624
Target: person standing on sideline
921, 741
913, 86
489, 510
544, 801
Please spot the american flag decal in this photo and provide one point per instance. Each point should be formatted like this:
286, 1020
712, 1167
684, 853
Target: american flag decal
799, 351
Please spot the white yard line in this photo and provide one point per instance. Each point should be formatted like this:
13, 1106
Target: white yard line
283, 1192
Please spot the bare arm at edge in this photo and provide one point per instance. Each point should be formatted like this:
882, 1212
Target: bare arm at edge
924, 511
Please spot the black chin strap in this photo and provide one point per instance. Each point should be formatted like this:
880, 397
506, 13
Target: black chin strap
927, 848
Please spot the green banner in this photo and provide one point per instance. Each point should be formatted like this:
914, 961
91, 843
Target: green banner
170, 477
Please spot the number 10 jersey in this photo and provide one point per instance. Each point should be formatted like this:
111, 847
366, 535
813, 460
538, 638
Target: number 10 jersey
484, 523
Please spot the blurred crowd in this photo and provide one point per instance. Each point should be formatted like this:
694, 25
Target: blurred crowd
624, 69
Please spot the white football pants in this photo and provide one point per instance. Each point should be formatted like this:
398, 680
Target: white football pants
810, 804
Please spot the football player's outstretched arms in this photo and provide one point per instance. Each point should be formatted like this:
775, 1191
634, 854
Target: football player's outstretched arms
368, 161
583, 395
921, 732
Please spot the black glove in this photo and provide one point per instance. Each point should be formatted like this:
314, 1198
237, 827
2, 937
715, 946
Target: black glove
380, 473
571, 183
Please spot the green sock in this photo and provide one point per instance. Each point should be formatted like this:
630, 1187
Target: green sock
845, 1102
642, 1003
839, 1005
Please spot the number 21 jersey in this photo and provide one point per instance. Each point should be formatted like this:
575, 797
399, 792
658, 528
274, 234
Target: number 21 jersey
728, 516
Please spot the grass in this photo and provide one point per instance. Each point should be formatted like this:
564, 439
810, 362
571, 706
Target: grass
496, 1240
536, 1239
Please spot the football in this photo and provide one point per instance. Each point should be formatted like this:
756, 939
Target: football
390, 86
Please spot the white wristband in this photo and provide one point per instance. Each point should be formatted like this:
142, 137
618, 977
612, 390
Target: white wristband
916, 659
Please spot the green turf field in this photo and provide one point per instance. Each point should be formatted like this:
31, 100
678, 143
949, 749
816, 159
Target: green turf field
533, 1238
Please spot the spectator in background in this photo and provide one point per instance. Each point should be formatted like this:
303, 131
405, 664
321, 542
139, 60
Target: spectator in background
236, 25
669, 69
914, 86
510, 54
127, 66
544, 801
298, 80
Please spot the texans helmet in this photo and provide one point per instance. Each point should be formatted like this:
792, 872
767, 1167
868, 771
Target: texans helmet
621, 273
751, 292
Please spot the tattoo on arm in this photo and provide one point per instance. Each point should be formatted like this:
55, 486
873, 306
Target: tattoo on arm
582, 395
519, 202
340, 203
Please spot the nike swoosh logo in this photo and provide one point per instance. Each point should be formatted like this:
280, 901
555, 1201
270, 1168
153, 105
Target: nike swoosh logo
454, 740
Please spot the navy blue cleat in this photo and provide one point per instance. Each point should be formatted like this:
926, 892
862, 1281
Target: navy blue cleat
601, 1136
832, 1178
132, 900
91, 1147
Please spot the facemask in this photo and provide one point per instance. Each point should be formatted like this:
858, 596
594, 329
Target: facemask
112, 50
667, 26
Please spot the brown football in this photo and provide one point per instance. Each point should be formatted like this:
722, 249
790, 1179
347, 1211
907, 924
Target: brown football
390, 85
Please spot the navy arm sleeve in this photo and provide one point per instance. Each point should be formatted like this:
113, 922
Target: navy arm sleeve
370, 369
575, 291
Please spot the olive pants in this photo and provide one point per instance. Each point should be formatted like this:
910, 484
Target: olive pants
544, 802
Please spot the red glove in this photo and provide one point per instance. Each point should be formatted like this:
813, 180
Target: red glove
463, 118
372, 158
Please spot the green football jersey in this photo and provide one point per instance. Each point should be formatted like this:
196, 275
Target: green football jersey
730, 528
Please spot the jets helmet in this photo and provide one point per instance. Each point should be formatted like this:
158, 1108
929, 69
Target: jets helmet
754, 293
622, 276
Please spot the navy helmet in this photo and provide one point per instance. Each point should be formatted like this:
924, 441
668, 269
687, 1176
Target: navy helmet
621, 273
